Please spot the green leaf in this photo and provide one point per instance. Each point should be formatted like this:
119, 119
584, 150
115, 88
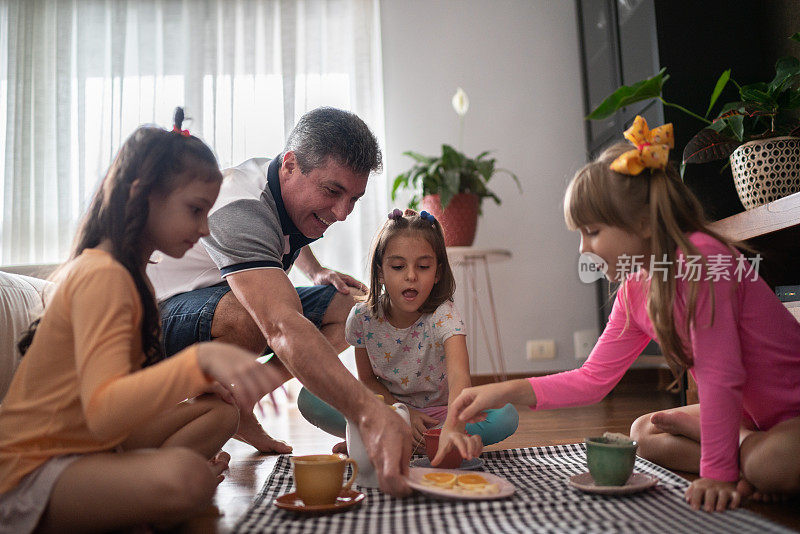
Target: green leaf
785, 69
757, 93
452, 179
736, 124
793, 101
449, 187
737, 107
451, 158
795, 37
513, 176
418, 157
626, 95
401, 180
721, 83
486, 169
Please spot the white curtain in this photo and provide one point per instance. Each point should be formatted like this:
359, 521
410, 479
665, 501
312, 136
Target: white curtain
78, 76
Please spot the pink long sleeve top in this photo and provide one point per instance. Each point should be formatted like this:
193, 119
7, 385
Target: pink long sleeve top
746, 364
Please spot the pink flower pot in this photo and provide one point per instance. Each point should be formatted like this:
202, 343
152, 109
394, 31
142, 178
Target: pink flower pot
459, 220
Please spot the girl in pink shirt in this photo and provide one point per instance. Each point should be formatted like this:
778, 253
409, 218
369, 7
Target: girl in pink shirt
708, 309
96, 433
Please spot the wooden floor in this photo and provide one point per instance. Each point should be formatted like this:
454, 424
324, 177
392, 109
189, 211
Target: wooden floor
249, 470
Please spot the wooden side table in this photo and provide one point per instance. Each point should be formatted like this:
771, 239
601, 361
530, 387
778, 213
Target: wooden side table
471, 260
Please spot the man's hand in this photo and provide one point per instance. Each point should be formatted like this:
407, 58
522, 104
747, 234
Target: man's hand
713, 495
387, 438
342, 282
420, 422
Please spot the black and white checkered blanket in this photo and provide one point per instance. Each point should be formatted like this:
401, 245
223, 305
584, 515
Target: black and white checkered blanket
543, 502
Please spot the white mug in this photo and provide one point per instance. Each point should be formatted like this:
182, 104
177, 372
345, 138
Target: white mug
367, 476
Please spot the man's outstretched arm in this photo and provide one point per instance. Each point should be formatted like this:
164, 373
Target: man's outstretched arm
270, 298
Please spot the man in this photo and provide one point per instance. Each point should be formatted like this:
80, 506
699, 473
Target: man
233, 285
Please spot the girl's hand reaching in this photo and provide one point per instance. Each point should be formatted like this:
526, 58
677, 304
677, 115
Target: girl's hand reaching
470, 405
221, 391
238, 371
713, 495
420, 422
469, 446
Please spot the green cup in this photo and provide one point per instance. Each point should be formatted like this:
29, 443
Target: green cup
610, 461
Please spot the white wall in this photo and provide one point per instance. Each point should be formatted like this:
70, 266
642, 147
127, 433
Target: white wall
518, 61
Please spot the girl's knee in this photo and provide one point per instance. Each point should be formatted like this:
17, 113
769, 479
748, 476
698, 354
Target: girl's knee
642, 432
773, 466
183, 481
498, 425
642, 428
223, 416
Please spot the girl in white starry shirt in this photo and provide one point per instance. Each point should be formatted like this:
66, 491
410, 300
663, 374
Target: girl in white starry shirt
410, 341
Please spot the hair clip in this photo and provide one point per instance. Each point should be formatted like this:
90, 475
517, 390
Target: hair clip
395, 214
427, 216
184, 133
652, 148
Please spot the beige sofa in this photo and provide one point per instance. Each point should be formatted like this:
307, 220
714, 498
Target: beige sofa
22, 290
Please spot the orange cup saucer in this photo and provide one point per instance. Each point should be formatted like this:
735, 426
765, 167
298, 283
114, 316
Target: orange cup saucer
346, 499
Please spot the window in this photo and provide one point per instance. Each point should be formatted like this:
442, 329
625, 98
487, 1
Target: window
76, 78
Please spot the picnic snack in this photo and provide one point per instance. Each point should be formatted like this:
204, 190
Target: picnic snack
470, 480
439, 479
474, 483
467, 484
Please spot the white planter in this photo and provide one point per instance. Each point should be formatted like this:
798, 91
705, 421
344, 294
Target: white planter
766, 170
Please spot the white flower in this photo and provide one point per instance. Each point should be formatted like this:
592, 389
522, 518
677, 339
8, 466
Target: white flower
460, 102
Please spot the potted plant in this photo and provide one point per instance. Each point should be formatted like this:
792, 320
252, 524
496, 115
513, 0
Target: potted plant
757, 133
451, 185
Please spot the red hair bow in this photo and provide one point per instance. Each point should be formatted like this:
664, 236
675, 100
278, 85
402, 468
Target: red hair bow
184, 133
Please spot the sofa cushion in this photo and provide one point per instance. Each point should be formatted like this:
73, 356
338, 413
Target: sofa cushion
21, 301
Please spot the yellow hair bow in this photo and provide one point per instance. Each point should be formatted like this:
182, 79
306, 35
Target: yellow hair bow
652, 148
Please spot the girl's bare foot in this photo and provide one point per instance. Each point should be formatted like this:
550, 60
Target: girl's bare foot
677, 423
219, 464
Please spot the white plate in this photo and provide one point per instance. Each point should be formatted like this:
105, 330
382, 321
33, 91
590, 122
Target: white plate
638, 482
475, 463
415, 475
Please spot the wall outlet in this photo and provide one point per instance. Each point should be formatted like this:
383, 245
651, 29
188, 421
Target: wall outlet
541, 349
584, 341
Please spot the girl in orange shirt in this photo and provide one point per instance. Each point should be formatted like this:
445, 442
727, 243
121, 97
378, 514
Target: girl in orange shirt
96, 433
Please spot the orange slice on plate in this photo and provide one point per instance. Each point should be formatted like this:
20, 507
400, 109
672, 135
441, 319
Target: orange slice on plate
471, 480
473, 483
439, 479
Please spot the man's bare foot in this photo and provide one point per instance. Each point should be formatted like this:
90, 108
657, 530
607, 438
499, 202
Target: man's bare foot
340, 448
677, 423
219, 464
251, 432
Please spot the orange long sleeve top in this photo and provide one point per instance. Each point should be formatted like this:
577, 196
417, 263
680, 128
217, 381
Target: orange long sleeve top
81, 388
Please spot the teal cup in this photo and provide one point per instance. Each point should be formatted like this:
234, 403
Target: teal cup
610, 461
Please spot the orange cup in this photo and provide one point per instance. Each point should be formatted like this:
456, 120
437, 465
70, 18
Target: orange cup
452, 459
318, 477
